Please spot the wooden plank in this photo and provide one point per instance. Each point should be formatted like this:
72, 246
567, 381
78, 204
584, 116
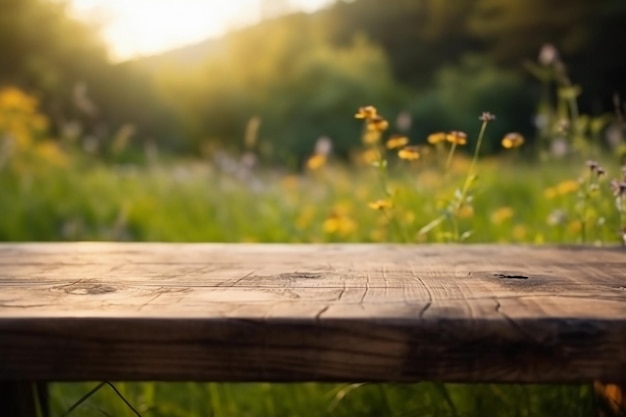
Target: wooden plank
312, 313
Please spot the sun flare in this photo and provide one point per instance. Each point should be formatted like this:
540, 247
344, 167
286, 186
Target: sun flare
143, 27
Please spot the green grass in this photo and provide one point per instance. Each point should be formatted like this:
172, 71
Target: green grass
317, 400
196, 203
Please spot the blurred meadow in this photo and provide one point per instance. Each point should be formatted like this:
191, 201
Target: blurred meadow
414, 121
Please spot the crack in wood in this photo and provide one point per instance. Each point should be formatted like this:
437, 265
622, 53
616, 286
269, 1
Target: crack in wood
160, 293
342, 292
425, 308
241, 279
322, 311
366, 289
430, 294
22, 306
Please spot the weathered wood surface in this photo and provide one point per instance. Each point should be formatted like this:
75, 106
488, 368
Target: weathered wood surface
312, 313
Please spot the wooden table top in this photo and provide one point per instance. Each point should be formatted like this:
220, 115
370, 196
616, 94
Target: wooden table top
270, 312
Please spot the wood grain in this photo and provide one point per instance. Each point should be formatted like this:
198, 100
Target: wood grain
239, 312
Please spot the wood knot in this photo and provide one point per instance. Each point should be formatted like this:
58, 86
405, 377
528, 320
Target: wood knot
88, 289
510, 276
301, 275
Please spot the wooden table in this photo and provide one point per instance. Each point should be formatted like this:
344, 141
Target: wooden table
240, 312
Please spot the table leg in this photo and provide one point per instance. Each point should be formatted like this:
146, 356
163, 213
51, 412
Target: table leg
20, 399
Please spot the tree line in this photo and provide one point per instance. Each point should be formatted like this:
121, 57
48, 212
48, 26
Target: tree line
439, 63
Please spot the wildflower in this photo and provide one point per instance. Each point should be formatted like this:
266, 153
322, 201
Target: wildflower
562, 126
619, 188
466, 212
574, 226
369, 156
556, 217
397, 141
435, 138
569, 93
592, 165
380, 205
501, 215
559, 147
519, 232
600, 172
548, 54
366, 112
457, 138
370, 137
377, 124
512, 140
13, 99
567, 187
323, 146
339, 224
403, 121
410, 153
316, 162
487, 117
550, 193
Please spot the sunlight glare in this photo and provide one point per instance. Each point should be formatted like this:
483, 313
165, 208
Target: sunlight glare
143, 27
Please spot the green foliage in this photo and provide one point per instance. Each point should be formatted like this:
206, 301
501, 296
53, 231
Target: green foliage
463, 92
300, 73
517, 29
297, 85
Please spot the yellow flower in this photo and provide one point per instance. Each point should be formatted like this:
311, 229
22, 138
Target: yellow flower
380, 205
501, 215
466, 212
316, 162
289, 182
567, 187
377, 123
13, 99
512, 140
456, 137
370, 156
397, 141
519, 232
366, 112
51, 152
550, 193
435, 138
378, 235
410, 153
371, 137
574, 226
305, 218
339, 224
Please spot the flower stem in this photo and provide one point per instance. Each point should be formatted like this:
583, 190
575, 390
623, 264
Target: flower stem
481, 134
450, 155
468, 180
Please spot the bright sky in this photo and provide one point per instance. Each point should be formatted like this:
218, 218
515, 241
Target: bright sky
144, 27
